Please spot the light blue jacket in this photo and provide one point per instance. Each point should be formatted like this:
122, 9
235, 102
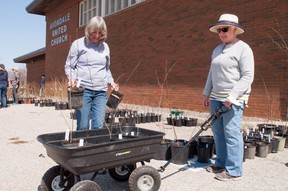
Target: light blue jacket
89, 64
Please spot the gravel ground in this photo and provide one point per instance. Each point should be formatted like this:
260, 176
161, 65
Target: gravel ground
24, 160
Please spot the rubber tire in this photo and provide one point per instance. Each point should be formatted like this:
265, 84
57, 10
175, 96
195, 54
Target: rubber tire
122, 175
86, 185
139, 177
52, 174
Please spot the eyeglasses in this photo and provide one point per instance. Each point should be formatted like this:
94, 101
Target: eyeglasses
223, 30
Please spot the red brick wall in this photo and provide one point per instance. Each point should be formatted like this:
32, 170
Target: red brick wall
159, 33
37, 68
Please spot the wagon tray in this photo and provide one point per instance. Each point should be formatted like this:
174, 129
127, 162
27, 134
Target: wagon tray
101, 149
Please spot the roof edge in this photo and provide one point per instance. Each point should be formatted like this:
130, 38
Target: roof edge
29, 57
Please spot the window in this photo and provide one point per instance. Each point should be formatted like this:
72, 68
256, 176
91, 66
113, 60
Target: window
91, 8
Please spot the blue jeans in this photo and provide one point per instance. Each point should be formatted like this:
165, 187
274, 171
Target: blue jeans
94, 105
228, 139
3, 95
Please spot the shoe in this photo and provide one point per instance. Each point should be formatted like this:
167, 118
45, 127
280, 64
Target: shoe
224, 176
214, 169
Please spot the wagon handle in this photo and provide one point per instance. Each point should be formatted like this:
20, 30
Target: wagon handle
206, 125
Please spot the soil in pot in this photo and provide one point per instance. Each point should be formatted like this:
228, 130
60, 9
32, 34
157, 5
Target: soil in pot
261, 149
164, 151
182, 157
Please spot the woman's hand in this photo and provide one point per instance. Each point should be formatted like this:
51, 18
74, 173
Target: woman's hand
206, 101
71, 83
115, 86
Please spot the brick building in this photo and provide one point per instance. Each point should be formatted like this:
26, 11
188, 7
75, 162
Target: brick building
147, 38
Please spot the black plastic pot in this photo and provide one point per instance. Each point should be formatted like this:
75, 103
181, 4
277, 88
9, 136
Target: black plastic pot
148, 118
181, 157
143, 118
169, 120
153, 117
250, 150
164, 151
114, 99
261, 149
177, 122
193, 149
274, 145
205, 149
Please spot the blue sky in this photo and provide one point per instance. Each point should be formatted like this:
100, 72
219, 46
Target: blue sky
20, 32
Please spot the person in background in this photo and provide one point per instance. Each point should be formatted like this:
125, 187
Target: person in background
15, 84
3, 86
229, 85
42, 85
88, 66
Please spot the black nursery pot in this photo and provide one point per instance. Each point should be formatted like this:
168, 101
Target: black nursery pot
164, 151
250, 150
193, 149
205, 149
191, 122
261, 149
169, 120
274, 145
182, 157
57, 105
177, 122
114, 99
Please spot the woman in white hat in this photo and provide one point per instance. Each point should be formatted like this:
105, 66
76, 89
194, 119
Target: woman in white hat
229, 85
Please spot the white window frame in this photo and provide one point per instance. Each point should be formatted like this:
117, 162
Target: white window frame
91, 8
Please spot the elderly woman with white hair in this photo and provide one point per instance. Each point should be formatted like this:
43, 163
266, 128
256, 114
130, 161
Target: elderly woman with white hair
88, 66
229, 85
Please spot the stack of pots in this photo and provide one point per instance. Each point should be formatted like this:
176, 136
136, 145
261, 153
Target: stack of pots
180, 121
130, 117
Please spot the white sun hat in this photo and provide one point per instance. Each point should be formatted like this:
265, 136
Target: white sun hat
227, 20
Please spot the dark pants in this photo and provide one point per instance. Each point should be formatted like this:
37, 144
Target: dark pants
15, 93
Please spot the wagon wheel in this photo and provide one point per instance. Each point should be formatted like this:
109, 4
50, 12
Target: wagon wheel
86, 185
51, 180
121, 173
144, 178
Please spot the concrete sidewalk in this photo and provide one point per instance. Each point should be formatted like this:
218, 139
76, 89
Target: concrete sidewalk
24, 160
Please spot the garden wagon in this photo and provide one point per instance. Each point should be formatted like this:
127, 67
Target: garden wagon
103, 149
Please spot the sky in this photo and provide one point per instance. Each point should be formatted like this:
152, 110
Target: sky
20, 32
